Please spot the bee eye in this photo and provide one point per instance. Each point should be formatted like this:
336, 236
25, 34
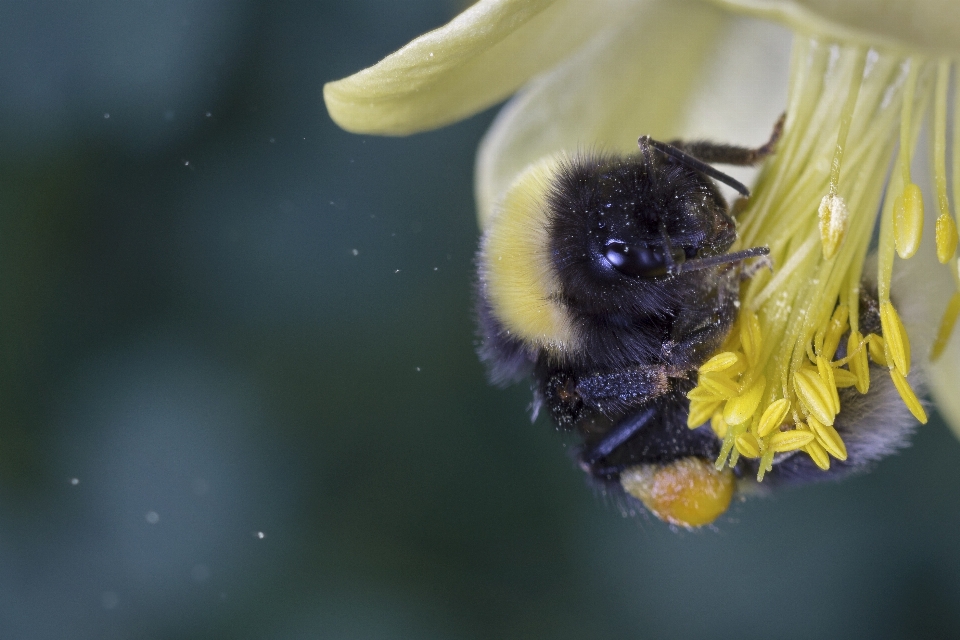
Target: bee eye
638, 261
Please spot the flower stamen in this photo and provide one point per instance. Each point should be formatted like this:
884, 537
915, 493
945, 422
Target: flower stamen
946, 326
946, 227
908, 206
778, 376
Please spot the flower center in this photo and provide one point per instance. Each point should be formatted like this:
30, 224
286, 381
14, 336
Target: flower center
852, 112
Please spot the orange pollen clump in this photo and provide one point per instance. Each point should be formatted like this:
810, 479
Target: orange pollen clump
689, 492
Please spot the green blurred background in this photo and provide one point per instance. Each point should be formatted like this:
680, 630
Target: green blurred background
239, 396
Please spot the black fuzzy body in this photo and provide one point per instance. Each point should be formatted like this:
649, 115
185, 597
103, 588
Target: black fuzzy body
639, 339
641, 332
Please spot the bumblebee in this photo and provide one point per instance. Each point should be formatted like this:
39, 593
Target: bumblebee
609, 280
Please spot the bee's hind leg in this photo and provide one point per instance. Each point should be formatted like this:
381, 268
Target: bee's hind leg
622, 432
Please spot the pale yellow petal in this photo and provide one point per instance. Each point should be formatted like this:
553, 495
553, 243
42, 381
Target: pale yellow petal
474, 61
930, 25
630, 80
641, 78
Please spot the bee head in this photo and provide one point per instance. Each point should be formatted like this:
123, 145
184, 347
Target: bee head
600, 237
621, 230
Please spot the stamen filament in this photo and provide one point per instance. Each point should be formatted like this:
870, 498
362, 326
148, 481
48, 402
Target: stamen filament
956, 142
946, 326
783, 393
908, 205
946, 227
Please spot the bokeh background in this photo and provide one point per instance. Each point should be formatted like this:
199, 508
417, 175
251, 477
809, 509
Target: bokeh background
239, 396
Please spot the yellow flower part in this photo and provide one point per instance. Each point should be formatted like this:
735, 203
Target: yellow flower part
857, 85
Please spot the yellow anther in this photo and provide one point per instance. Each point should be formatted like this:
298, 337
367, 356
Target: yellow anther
857, 352
828, 438
751, 340
748, 445
738, 367
813, 393
897, 345
701, 411
819, 455
834, 220
825, 371
835, 329
719, 384
739, 409
908, 220
718, 424
734, 431
909, 397
790, 440
773, 417
946, 326
720, 362
844, 379
702, 393
946, 238
877, 349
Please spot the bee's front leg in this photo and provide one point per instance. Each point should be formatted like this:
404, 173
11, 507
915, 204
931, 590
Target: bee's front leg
711, 152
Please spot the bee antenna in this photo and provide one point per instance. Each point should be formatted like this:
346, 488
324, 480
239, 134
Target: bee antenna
726, 258
693, 163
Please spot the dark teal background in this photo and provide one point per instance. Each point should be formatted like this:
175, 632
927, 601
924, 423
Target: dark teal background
227, 319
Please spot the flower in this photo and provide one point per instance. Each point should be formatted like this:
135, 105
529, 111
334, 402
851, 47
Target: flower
860, 83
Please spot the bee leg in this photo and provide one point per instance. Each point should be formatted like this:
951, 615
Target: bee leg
602, 390
622, 432
749, 270
711, 152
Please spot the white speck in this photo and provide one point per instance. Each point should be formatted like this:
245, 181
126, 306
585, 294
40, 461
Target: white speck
259, 535
186, 163
152, 517
397, 271
431, 54
418, 369
200, 572
74, 481
109, 600
272, 140
434, 268
354, 252
208, 114
106, 116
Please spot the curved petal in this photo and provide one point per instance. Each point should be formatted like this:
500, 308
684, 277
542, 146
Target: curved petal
930, 25
474, 61
630, 79
724, 79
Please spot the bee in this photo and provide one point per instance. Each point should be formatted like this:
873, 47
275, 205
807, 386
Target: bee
608, 280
